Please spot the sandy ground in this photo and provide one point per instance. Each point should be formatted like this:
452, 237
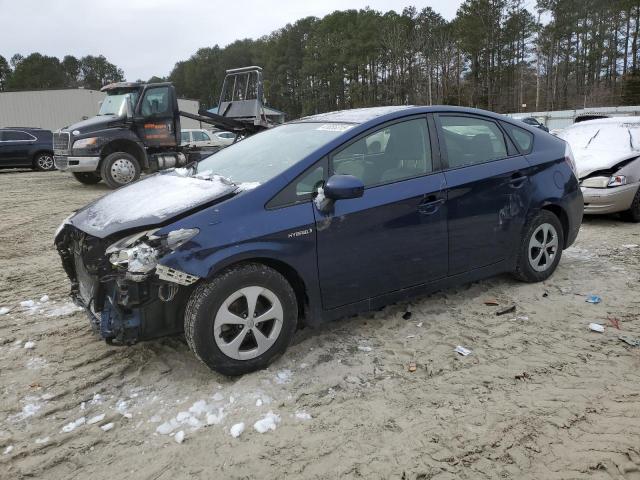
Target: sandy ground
541, 396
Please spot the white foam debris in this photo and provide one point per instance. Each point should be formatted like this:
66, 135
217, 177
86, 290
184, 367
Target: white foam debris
106, 427
71, 426
302, 415
199, 407
63, 310
269, 422
121, 406
8, 450
248, 185
27, 303
167, 427
419, 325
232, 399
237, 429
40, 441
83, 405
96, 419
259, 402
179, 437
183, 417
215, 418
364, 348
128, 415
217, 397
283, 376
97, 399
29, 410
44, 298
4, 310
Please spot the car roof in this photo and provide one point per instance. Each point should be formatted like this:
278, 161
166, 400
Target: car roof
365, 115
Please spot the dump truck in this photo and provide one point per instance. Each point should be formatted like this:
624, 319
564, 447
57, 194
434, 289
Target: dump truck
137, 129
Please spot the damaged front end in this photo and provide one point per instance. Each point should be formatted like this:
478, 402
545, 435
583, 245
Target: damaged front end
128, 295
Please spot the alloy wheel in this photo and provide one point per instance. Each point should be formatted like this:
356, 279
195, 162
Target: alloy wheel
543, 247
45, 162
123, 171
248, 323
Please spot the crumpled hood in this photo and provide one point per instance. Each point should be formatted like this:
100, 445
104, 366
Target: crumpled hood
150, 202
591, 160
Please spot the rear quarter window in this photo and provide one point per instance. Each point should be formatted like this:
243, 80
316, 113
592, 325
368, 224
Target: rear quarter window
522, 138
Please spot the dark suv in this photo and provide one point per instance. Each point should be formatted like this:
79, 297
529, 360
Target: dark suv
26, 147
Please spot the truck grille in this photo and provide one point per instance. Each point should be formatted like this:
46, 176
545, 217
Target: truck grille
61, 143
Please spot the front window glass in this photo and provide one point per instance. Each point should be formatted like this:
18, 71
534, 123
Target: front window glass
116, 104
261, 157
199, 136
155, 102
396, 152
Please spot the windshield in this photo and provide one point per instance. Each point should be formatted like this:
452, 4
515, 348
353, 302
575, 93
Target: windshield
261, 157
116, 104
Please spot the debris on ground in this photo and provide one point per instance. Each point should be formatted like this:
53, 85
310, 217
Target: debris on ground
596, 327
545, 294
412, 366
107, 427
27, 303
509, 309
179, 437
406, 315
462, 351
71, 426
364, 348
523, 376
303, 416
634, 342
595, 299
4, 310
30, 345
491, 302
269, 422
615, 323
236, 429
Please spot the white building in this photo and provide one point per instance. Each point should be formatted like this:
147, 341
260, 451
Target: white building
54, 109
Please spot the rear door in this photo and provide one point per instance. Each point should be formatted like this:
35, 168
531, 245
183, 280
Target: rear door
395, 235
15, 148
488, 190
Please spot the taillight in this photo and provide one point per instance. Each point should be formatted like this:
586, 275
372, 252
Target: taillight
568, 157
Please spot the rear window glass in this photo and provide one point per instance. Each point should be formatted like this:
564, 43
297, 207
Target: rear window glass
523, 139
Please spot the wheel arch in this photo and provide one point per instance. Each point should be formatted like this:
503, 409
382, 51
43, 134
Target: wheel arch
562, 215
283, 268
37, 152
127, 146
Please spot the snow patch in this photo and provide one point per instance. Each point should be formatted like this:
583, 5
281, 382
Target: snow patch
269, 422
30, 345
4, 310
107, 427
302, 415
179, 437
8, 450
283, 376
44, 298
215, 418
27, 303
96, 419
237, 430
71, 426
36, 363
63, 310
40, 441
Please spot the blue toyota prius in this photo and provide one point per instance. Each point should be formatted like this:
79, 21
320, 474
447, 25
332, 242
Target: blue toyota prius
320, 218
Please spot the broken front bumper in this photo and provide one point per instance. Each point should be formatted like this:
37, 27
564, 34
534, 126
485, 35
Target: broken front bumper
121, 309
608, 200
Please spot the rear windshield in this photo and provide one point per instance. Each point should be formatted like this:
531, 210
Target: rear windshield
261, 157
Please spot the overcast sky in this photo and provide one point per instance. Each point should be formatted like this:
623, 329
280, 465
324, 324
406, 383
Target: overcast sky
147, 37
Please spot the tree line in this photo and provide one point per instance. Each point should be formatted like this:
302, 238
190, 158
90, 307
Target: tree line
38, 72
494, 54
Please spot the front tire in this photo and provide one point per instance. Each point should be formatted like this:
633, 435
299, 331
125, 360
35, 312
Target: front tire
241, 320
44, 162
633, 214
87, 178
119, 169
540, 249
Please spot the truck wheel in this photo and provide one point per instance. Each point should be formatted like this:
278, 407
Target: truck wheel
44, 162
119, 168
540, 248
88, 178
633, 214
241, 320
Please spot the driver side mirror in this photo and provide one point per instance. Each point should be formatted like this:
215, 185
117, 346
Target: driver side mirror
342, 187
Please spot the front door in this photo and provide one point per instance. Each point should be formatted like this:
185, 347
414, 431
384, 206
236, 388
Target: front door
395, 235
15, 146
488, 191
155, 117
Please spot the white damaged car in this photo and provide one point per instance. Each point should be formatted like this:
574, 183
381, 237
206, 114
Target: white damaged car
607, 156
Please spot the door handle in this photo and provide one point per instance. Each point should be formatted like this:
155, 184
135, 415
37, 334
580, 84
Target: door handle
430, 204
517, 180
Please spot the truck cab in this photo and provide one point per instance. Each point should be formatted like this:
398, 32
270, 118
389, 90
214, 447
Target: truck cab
136, 129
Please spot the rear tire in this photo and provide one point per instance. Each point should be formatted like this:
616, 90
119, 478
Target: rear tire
241, 320
119, 169
44, 162
540, 248
87, 178
633, 214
